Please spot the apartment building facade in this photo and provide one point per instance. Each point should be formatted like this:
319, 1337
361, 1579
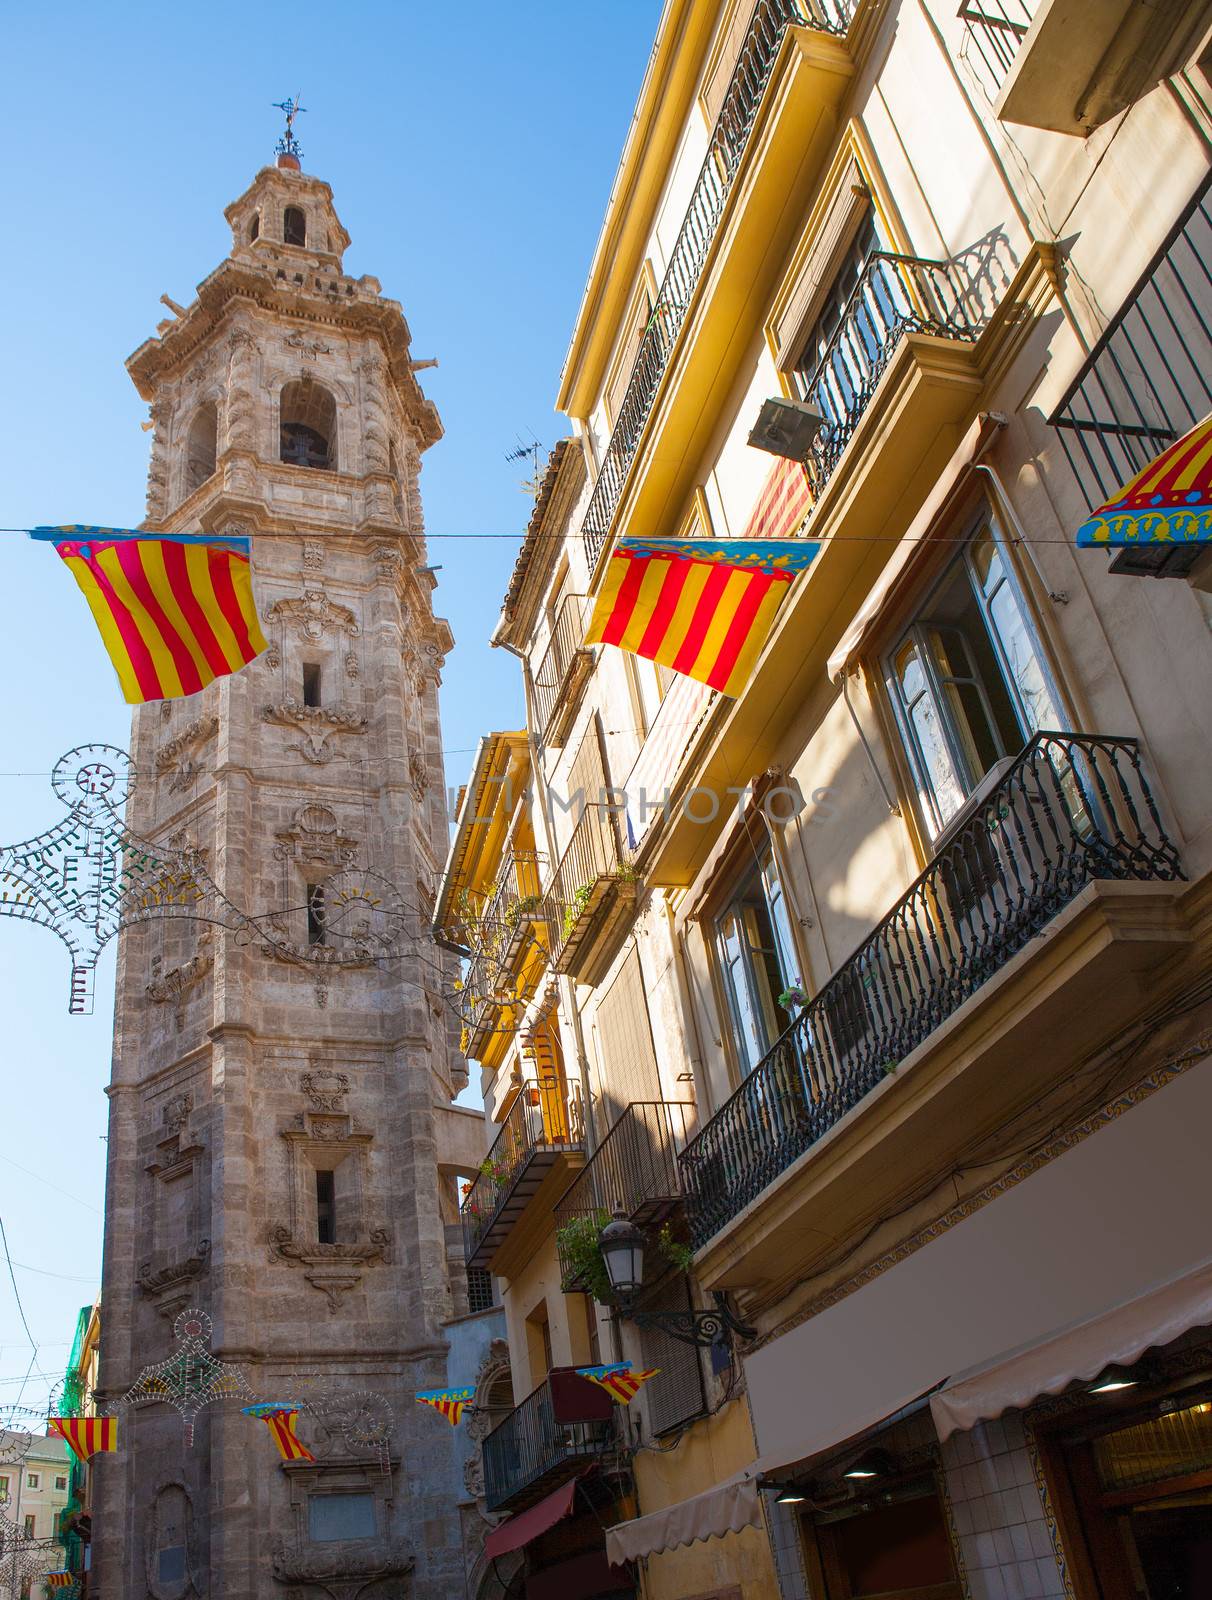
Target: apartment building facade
881, 985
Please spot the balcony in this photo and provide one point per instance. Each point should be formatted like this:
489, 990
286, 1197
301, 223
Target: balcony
634, 1170
563, 672
1147, 380
993, 33
500, 935
896, 295
562, 1427
589, 896
1072, 811
692, 249
541, 1131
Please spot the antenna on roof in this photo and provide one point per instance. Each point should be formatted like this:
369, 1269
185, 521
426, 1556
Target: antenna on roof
528, 452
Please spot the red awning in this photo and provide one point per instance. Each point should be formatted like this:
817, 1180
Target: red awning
528, 1525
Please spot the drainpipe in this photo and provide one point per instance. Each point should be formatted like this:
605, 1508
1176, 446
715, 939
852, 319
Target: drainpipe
702, 1089
889, 801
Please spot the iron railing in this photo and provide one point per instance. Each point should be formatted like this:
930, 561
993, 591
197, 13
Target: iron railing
563, 647
1072, 808
634, 1170
591, 861
993, 32
495, 932
529, 1446
894, 295
729, 138
538, 1120
1149, 378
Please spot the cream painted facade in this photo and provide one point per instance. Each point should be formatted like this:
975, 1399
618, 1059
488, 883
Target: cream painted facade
977, 245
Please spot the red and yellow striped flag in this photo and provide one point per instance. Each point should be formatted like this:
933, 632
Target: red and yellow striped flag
59, 1580
449, 1403
279, 1418
783, 504
619, 1381
175, 610
703, 607
86, 1435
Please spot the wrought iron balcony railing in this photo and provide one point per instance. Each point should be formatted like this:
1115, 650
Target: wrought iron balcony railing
993, 32
529, 1451
729, 138
541, 1126
589, 871
1073, 808
634, 1170
895, 295
495, 931
554, 680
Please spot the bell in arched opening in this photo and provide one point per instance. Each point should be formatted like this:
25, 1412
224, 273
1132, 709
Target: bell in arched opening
308, 416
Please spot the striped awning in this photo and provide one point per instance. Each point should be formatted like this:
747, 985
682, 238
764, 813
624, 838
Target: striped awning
1169, 502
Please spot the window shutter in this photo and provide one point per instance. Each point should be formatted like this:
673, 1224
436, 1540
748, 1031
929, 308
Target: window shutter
627, 1064
676, 1394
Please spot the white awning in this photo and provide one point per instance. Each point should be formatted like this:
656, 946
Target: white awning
726, 1508
1118, 1338
951, 480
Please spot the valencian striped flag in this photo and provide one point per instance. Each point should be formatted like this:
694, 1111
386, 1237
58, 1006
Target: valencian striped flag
59, 1580
619, 1380
783, 504
175, 610
451, 1403
86, 1435
279, 1417
701, 606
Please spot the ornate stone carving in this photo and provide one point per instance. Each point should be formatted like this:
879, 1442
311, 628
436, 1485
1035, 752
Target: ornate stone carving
308, 348
418, 774
312, 614
173, 987
317, 724
480, 1420
171, 1282
343, 1570
334, 1269
176, 1113
240, 420
313, 555
389, 563
314, 836
324, 1088
178, 759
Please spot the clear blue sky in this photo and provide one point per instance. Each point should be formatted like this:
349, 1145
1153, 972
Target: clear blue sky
470, 151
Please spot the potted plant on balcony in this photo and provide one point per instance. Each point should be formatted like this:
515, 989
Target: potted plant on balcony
578, 1244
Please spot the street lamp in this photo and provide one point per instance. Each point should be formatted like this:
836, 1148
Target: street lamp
622, 1247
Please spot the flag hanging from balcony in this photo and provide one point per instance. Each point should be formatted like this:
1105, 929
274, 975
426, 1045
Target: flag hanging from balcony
450, 1403
703, 607
1167, 502
86, 1435
175, 610
620, 1381
280, 1417
783, 504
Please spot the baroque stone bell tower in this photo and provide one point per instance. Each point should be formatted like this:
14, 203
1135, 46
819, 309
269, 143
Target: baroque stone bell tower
280, 1125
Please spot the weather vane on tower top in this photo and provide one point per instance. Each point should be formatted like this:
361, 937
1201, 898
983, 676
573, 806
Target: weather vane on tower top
288, 145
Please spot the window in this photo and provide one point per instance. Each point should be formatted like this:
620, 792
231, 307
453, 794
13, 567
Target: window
202, 447
757, 960
842, 355
33, 1480
311, 683
316, 909
968, 679
29, 1521
294, 226
326, 1208
340, 1516
254, 227
676, 1393
3, 1485
479, 1289
60, 1483
308, 421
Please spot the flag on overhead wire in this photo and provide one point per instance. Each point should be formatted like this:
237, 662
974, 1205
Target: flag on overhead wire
86, 1435
620, 1380
703, 607
450, 1403
59, 1580
280, 1417
175, 610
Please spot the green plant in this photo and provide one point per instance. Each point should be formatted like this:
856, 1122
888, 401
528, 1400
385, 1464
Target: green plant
625, 872
581, 1253
889, 1067
675, 1251
575, 908
492, 1169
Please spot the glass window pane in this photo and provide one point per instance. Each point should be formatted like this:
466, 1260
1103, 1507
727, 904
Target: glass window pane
340, 1516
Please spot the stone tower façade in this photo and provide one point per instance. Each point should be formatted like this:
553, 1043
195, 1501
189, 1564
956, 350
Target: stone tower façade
277, 1121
